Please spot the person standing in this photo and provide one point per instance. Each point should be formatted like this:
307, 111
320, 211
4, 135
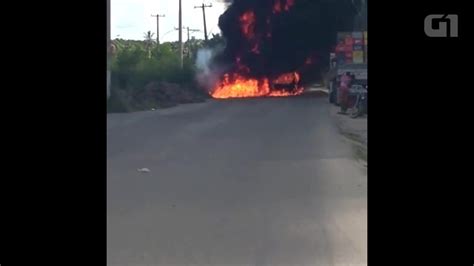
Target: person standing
343, 94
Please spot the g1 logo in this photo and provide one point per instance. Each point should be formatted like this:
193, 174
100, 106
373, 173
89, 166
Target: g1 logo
443, 21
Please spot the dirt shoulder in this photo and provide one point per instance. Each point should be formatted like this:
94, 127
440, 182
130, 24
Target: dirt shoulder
155, 95
353, 129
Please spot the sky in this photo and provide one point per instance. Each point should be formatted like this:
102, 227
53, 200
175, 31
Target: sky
130, 19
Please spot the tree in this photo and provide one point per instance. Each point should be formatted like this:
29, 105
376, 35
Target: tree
216, 41
149, 41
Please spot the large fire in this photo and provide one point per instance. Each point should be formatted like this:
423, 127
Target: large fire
238, 86
288, 78
237, 83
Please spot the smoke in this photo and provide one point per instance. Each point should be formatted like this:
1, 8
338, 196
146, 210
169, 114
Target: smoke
226, 2
271, 37
203, 60
206, 76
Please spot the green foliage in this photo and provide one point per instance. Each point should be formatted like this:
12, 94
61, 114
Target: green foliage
117, 104
139, 63
135, 65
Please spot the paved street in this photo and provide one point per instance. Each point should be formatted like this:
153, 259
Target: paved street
241, 182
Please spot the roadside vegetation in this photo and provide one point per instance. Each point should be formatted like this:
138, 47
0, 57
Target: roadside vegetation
145, 75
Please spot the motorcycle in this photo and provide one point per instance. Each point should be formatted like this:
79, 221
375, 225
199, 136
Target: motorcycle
360, 104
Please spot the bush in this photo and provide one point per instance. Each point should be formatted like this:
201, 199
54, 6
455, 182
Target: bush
118, 103
131, 66
134, 67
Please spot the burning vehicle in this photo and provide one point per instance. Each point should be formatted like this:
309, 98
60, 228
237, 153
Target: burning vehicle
274, 47
237, 86
288, 82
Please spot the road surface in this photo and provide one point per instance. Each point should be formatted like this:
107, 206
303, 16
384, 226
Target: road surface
240, 182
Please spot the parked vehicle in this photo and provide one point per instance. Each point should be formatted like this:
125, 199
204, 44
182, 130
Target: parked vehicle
360, 104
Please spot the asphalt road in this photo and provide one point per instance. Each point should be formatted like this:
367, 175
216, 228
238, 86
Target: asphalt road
240, 182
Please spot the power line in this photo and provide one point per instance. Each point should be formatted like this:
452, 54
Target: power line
158, 16
166, 33
191, 30
203, 6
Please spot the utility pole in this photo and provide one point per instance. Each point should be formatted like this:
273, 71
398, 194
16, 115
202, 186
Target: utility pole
158, 16
189, 44
188, 47
203, 6
176, 28
180, 35
191, 30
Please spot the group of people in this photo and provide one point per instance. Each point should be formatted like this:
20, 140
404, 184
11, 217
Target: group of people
343, 94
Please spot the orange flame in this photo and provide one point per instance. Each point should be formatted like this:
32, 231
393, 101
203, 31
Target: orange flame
277, 7
280, 93
288, 78
237, 86
247, 22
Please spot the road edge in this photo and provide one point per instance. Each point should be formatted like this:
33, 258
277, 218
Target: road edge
358, 140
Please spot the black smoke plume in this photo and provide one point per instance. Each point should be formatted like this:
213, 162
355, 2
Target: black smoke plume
287, 36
